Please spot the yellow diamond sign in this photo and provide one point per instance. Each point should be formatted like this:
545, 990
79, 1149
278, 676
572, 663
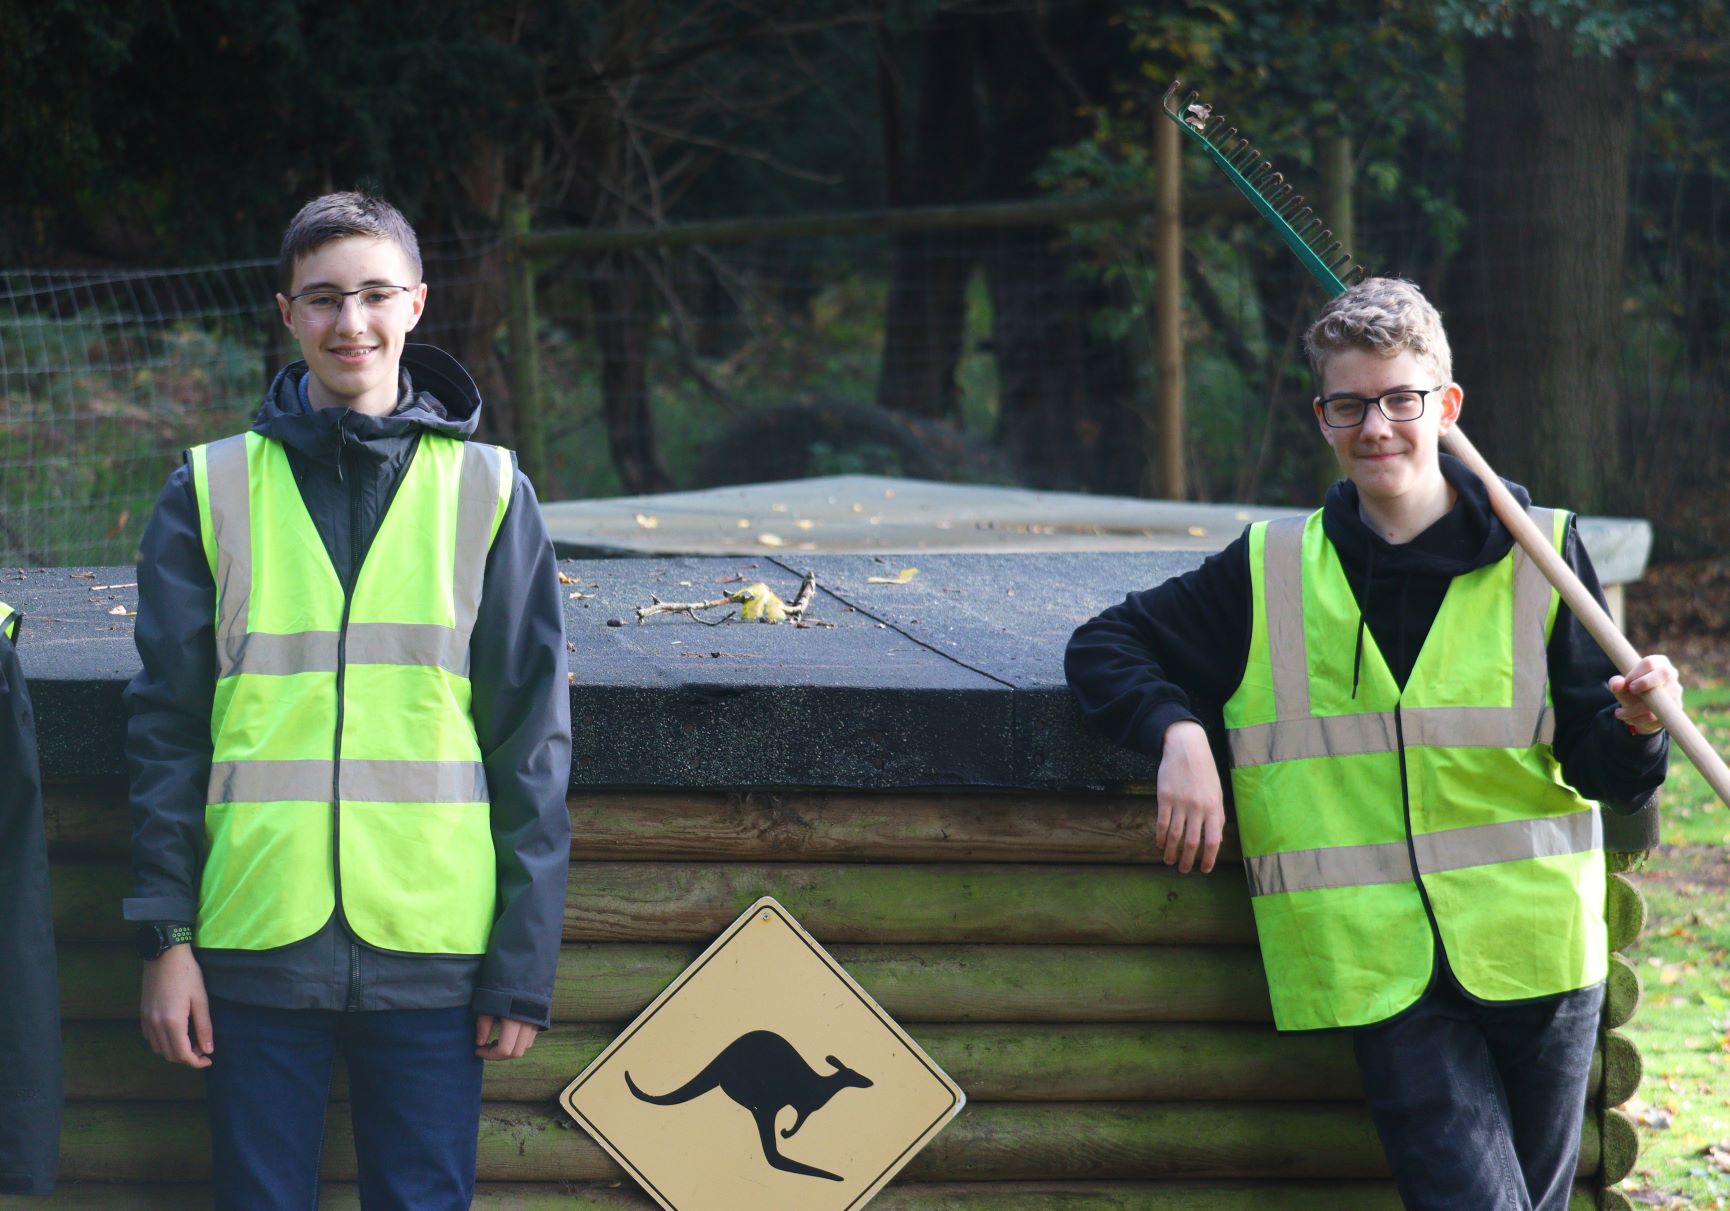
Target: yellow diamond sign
763, 1078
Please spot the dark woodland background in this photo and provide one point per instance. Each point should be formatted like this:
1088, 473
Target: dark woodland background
1553, 172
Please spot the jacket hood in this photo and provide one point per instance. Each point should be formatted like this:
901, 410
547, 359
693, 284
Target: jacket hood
1468, 536
435, 394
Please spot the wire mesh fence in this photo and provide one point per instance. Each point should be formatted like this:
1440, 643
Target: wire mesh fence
992, 354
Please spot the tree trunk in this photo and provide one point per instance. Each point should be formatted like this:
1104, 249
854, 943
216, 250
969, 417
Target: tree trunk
1069, 414
622, 333
1536, 314
927, 311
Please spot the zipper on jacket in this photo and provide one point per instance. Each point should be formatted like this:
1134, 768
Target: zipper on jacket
1412, 849
353, 1000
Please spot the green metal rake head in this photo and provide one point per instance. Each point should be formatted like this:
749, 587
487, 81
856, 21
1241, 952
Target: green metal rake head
1298, 225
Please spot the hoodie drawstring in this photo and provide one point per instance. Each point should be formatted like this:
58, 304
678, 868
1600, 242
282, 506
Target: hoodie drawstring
1363, 604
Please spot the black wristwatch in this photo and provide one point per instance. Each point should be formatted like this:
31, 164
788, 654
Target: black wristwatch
155, 937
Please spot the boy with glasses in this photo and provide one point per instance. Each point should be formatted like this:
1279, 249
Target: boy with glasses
1417, 730
349, 746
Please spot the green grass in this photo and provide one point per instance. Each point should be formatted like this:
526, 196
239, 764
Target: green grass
93, 415
1683, 1027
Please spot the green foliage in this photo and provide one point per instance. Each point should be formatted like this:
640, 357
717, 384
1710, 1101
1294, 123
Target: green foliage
194, 129
93, 414
1601, 27
1683, 1027
870, 459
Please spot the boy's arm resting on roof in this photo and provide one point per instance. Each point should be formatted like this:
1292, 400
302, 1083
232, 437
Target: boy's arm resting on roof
1599, 757
168, 704
522, 713
1165, 654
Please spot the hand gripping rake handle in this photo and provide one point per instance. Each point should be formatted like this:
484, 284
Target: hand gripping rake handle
1665, 704
1268, 191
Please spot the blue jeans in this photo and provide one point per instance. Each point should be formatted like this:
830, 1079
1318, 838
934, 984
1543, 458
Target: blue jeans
414, 1087
1480, 1106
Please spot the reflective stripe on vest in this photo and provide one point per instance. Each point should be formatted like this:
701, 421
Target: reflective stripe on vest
346, 775
1325, 784
8, 621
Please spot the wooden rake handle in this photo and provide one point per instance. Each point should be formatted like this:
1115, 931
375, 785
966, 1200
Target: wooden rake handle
1541, 547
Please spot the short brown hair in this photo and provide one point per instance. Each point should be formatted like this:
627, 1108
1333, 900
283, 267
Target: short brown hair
336, 216
1380, 315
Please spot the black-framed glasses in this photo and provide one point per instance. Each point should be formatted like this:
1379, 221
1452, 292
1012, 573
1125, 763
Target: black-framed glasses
324, 304
1348, 411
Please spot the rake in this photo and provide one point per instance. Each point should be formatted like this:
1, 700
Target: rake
1304, 232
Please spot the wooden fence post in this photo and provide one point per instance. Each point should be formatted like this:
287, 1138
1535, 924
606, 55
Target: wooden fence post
525, 368
1168, 311
1335, 156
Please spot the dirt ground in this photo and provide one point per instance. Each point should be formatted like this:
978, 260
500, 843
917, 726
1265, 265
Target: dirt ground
1683, 610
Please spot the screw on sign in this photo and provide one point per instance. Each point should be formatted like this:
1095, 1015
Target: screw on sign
699, 1097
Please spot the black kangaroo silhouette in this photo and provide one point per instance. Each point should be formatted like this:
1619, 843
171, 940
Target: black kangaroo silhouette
763, 1072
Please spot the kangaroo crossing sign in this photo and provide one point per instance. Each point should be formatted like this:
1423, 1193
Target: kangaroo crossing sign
763, 1078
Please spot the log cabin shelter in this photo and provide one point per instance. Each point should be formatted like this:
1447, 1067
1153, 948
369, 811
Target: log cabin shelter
913, 785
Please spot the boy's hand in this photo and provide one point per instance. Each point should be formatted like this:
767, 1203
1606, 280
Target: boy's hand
174, 1012
514, 1039
1191, 804
1651, 673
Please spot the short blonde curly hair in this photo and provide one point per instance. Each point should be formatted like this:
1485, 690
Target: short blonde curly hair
1380, 315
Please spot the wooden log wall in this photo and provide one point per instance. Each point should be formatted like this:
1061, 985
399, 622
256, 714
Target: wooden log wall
1107, 1017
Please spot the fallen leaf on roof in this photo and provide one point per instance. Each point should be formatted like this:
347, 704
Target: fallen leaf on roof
901, 577
771, 540
1198, 531
647, 522
804, 523
759, 603
124, 612
581, 596
563, 579
778, 508
744, 523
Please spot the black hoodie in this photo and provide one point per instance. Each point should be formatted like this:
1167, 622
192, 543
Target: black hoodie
1177, 651
348, 466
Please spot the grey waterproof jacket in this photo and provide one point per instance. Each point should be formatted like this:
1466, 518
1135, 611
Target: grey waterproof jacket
31, 1085
348, 466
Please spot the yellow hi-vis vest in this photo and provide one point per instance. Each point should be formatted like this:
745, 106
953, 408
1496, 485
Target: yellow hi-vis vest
346, 776
8, 621
1362, 818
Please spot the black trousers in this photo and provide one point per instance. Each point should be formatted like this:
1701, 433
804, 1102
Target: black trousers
1480, 1107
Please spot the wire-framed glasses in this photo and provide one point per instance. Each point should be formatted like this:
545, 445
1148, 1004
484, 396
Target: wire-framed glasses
1348, 411
324, 304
